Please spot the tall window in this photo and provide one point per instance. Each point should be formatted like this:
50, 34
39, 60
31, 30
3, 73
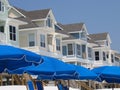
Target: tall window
58, 44
70, 49
104, 56
49, 22
112, 58
97, 56
42, 40
31, 39
12, 31
2, 6
83, 35
64, 50
2, 29
78, 48
89, 52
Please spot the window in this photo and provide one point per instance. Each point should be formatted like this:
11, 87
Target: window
31, 39
112, 58
64, 50
49, 22
83, 35
42, 40
2, 29
75, 35
70, 49
78, 48
2, 6
89, 52
12, 31
107, 43
104, 56
58, 44
96, 55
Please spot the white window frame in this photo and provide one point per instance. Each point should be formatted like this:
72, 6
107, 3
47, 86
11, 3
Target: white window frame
58, 46
12, 33
42, 41
31, 40
89, 52
71, 50
78, 50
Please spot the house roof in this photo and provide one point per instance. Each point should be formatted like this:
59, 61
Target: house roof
71, 27
98, 36
32, 15
38, 14
67, 28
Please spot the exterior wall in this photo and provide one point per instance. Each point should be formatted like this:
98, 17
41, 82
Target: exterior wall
11, 42
13, 14
4, 15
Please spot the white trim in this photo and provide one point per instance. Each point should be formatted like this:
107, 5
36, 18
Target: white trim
18, 11
38, 19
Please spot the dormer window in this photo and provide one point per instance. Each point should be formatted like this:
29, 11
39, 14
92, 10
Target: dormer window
2, 6
76, 35
49, 22
83, 35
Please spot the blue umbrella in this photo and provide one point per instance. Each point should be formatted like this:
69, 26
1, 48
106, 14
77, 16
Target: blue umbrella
50, 68
13, 57
110, 74
85, 73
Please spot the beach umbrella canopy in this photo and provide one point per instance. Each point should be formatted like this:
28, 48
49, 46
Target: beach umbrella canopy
110, 74
85, 74
50, 68
12, 57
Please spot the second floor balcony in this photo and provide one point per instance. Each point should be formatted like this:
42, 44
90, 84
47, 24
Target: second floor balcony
50, 53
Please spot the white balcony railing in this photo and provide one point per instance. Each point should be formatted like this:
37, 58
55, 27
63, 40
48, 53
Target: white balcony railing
37, 50
2, 38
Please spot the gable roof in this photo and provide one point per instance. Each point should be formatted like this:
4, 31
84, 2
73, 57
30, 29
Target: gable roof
67, 28
98, 36
31, 15
72, 27
38, 14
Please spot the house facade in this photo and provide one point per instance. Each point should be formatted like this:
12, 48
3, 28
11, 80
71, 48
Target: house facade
9, 33
38, 31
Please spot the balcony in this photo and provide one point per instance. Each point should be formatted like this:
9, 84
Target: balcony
37, 50
2, 38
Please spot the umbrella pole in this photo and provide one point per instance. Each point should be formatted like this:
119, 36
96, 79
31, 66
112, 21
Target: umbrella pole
1, 82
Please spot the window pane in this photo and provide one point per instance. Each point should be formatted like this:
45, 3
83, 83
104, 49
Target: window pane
31, 39
89, 52
64, 50
2, 29
78, 49
58, 44
12, 31
96, 55
75, 35
42, 40
70, 49
104, 56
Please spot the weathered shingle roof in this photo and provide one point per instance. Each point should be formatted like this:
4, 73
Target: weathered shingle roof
32, 15
38, 14
72, 27
98, 36
67, 28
